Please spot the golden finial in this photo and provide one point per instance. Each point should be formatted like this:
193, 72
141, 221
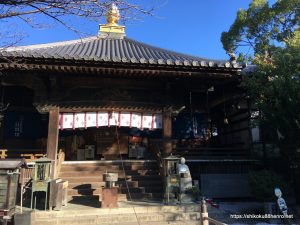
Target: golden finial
112, 18
113, 15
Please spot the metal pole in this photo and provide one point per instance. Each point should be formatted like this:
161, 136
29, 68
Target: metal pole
204, 213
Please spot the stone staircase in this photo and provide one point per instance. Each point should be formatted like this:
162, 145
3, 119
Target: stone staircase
86, 179
134, 215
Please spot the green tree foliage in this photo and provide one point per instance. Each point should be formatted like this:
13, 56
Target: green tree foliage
263, 27
45, 13
262, 184
273, 34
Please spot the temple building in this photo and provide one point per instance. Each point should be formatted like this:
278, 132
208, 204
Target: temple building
110, 98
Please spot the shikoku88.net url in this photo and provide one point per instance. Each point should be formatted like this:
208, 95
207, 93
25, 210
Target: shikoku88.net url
260, 216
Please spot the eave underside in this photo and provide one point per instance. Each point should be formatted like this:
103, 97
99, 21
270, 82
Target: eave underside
16, 66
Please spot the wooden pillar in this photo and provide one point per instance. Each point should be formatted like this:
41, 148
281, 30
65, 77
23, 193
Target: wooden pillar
52, 141
167, 132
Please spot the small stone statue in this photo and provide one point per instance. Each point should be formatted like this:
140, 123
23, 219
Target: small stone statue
280, 201
185, 180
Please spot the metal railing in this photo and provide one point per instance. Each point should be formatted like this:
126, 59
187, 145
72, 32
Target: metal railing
205, 219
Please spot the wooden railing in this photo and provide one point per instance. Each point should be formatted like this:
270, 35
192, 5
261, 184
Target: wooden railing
60, 160
24, 181
28, 154
29, 157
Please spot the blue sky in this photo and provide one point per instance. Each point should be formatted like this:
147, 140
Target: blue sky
188, 26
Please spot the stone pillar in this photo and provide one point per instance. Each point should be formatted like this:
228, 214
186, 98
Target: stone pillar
167, 132
52, 141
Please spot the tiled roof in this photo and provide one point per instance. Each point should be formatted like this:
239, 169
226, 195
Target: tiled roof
124, 50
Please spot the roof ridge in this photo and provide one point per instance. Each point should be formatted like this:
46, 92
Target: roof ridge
163, 50
49, 45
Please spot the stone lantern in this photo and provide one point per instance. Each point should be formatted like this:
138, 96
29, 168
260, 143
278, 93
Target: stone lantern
9, 177
41, 179
172, 179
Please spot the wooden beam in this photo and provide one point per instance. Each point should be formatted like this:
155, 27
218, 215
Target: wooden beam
52, 142
105, 68
96, 82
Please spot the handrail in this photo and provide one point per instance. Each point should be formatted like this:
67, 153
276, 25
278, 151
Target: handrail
216, 222
24, 181
60, 160
205, 219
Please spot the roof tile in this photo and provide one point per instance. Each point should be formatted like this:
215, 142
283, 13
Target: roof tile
111, 50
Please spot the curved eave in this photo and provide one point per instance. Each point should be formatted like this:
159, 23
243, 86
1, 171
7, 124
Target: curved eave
195, 68
15, 57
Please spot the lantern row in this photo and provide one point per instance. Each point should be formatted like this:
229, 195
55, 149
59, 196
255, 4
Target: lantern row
101, 119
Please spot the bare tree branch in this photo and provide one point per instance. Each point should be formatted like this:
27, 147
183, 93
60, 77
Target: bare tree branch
60, 10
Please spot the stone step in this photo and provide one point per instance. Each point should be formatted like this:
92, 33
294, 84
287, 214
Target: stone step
142, 218
25, 218
141, 167
138, 208
84, 191
100, 173
153, 189
143, 178
95, 178
123, 195
86, 180
80, 167
89, 173
142, 172
45, 222
140, 183
92, 199
81, 184
111, 162
123, 190
143, 196
121, 184
81, 199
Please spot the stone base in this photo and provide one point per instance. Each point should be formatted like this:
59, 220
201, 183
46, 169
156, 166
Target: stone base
186, 198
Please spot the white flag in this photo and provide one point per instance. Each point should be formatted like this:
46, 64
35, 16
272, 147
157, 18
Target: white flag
136, 120
102, 119
147, 121
79, 121
125, 119
66, 120
91, 119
